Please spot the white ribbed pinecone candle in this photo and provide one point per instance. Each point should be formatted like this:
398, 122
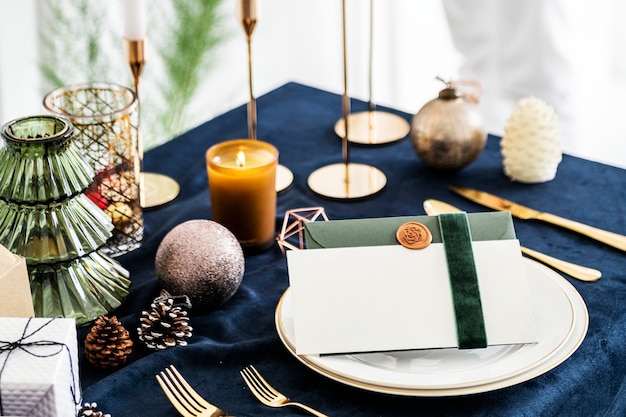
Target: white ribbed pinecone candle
531, 145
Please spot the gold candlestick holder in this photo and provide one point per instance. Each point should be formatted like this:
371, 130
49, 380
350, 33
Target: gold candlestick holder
372, 127
347, 180
155, 189
248, 17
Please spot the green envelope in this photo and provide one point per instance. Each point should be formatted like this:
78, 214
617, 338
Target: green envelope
382, 231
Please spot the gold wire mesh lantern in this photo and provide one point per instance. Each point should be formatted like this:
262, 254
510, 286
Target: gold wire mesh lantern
106, 119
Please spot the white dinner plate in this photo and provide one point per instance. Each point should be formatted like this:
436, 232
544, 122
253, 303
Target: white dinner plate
561, 319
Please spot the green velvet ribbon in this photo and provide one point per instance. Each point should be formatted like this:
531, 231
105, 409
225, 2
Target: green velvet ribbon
470, 323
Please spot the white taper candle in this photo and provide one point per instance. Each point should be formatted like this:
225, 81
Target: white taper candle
134, 19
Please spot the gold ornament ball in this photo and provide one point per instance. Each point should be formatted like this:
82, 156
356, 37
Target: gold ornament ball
202, 260
447, 132
121, 214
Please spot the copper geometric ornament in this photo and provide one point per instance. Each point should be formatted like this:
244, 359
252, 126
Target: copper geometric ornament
289, 230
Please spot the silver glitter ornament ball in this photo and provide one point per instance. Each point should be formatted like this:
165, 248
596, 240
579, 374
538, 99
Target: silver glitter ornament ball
203, 260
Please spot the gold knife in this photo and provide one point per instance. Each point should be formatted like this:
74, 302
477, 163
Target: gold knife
489, 200
580, 272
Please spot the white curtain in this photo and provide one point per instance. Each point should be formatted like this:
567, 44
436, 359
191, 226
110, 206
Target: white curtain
571, 53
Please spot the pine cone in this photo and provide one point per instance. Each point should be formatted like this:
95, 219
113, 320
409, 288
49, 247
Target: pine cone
531, 145
165, 326
89, 410
177, 300
108, 344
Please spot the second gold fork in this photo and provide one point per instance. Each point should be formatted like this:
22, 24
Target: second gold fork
269, 396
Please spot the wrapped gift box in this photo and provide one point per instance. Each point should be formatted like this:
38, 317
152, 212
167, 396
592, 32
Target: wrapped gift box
40, 373
15, 296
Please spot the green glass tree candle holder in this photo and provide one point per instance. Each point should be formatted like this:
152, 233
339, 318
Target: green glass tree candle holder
46, 218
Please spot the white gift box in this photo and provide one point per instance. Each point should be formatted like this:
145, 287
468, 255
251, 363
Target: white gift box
15, 297
39, 367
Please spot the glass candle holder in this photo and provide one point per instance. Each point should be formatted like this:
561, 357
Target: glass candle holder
46, 218
242, 178
106, 120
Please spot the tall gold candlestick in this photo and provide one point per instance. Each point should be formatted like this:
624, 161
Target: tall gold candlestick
346, 180
134, 51
135, 55
370, 81
372, 127
154, 189
248, 18
345, 99
345, 104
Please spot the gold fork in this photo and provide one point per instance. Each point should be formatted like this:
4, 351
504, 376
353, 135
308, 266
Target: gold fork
184, 398
265, 393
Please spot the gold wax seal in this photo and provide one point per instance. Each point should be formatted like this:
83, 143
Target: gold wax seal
414, 235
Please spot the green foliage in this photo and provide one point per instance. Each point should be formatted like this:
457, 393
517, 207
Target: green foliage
82, 42
196, 30
74, 38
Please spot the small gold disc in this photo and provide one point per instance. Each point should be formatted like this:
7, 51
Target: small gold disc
373, 127
414, 235
158, 189
284, 178
347, 181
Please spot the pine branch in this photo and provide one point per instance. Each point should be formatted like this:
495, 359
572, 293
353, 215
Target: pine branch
195, 32
72, 39
79, 45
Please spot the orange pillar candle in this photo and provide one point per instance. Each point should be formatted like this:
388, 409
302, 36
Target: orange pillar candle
242, 178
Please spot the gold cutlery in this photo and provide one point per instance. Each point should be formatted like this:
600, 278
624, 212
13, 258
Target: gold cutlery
265, 393
489, 200
583, 273
184, 398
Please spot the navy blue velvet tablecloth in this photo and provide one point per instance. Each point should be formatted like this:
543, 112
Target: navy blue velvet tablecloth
299, 120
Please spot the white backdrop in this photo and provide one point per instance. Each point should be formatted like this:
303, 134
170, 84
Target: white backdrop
301, 41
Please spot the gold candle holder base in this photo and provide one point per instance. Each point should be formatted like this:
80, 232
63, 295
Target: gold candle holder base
158, 189
347, 181
284, 179
373, 127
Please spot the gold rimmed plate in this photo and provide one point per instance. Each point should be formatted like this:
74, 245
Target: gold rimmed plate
562, 321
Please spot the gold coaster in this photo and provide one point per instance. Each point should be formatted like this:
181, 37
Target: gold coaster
284, 178
373, 127
158, 189
347, 181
